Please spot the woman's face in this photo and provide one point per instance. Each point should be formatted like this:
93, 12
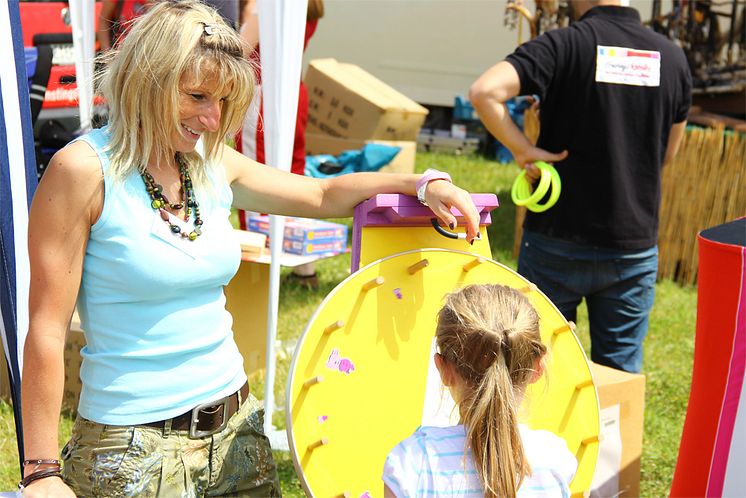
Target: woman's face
199, 110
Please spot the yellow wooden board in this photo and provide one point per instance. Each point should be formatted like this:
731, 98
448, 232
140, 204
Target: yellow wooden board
358, 382
381, 241
246, 299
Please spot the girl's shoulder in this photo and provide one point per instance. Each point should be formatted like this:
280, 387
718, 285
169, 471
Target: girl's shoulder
429, 431
426, 438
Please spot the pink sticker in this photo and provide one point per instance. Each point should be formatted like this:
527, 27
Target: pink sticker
366, 495
322, 418
397, 293
336, 362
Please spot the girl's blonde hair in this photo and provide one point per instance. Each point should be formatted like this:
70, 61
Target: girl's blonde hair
141, 78
490, 335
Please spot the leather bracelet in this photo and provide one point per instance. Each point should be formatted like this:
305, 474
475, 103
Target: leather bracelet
427, 177
41, 462
39, 474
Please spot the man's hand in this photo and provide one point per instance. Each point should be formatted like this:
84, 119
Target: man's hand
525, 159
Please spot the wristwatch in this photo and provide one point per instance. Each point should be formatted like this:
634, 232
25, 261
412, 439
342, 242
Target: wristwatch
427, 177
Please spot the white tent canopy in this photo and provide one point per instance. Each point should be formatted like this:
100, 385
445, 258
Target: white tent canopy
82, 20
281, 33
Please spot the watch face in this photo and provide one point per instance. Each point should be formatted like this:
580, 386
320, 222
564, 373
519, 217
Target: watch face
421, 193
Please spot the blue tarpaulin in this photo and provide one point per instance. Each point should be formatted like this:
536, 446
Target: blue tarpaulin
371, 157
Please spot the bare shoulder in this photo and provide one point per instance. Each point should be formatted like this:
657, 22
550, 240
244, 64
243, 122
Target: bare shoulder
77, 162
73, 180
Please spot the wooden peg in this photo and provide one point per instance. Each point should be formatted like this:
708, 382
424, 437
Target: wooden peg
334, 326
572, 325
321, 442
562, 329
372, 284
344, 494
418, 266
313, 380
528, 289
584, 384
473, 263
590, 440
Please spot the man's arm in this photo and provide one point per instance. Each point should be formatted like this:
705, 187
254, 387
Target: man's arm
675, 136
249, 30
105, 22
488, 94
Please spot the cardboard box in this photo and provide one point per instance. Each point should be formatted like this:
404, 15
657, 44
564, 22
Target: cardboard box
73, 345
253, 244
75, 341
321, 246
621, 397
403, 162
345, 101
302, 229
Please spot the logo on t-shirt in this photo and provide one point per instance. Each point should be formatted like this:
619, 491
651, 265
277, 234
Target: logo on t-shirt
627, 66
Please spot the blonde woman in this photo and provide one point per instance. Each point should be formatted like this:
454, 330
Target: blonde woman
132, 219
489, 351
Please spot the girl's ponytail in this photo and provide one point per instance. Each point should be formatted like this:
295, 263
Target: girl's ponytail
490, 334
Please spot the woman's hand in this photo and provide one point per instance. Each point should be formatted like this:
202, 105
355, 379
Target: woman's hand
442, 195
48, 488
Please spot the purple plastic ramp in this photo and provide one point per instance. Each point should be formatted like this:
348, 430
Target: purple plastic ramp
398, 210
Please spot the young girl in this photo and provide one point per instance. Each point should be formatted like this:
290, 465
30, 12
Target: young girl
489, 352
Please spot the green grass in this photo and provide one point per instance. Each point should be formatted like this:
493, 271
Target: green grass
668, 349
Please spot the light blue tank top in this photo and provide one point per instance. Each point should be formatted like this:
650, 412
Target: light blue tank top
151, 304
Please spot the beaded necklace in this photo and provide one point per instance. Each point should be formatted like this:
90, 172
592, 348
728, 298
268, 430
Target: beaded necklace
159, 202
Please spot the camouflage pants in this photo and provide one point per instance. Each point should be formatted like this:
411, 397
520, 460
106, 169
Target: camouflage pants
122, 461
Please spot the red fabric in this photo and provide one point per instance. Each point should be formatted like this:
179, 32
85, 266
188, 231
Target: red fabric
128, 11
721, 288
131, 9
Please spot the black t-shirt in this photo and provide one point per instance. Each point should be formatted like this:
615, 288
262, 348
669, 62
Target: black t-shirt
600, 100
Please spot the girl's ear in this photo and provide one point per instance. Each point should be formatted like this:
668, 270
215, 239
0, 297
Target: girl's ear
538, 370
444, 369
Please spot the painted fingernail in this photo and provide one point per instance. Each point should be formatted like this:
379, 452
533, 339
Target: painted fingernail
451, 225
471, 242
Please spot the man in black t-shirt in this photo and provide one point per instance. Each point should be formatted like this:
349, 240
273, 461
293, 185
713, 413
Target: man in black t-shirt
614, 97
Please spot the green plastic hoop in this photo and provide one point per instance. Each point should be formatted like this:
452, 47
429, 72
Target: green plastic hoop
521, 190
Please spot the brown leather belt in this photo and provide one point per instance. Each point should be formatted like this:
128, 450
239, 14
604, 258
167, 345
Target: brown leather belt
207, 418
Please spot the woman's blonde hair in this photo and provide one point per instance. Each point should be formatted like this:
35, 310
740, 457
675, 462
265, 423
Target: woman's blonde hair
490, 335
141, 79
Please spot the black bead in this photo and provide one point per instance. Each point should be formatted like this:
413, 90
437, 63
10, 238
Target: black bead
175, 229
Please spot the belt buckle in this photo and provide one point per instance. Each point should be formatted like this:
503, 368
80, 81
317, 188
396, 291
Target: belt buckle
194, 433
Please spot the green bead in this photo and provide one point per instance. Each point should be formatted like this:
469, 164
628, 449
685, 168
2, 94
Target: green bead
156, 204
192, 235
